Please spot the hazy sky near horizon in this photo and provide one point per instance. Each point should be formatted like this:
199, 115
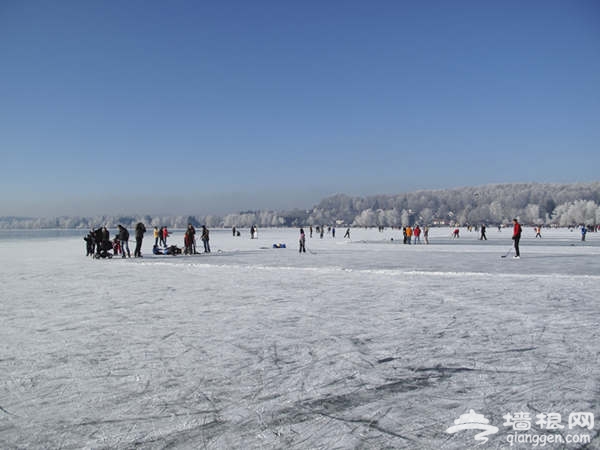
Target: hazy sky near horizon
195, 107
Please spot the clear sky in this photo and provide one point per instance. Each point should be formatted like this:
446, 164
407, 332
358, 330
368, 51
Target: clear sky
197, 107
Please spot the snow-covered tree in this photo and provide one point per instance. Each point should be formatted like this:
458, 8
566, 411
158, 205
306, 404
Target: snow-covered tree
404, 218
575, 213
532, 214
534, 203
366, 218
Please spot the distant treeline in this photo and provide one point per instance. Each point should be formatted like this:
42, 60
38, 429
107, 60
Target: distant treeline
532, 203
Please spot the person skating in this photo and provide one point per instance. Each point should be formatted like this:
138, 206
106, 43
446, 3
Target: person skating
205, 239
538, 232
516, 237
302, 241
347, 235
156, 236
483, 237
140, 229
124, 240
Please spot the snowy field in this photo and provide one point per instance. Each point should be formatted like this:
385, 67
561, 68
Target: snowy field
363, 343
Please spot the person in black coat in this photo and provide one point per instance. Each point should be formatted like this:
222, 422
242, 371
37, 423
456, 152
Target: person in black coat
140, 229
102, 235
124, 238
90, 242
189, 240
483, 237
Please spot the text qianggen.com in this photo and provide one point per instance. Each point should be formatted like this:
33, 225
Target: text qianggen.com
540, 440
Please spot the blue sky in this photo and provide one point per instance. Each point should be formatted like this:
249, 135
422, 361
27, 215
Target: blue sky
208, 107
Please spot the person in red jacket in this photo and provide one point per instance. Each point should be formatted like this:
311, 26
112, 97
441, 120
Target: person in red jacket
417, 234
516, 237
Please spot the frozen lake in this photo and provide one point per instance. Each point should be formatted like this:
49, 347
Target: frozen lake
361, 343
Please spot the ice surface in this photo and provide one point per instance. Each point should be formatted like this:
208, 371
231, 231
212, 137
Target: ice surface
365, 343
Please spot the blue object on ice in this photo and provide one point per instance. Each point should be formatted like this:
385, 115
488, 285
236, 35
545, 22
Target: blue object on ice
278, 245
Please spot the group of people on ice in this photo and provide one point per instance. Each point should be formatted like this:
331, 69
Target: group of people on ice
320, 230
413, 235
99, 244
160, 236
189, 240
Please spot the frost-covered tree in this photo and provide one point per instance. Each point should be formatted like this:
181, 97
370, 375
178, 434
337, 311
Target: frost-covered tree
497, 203
426, 216
575, 213
392, 218
404, 218
366, 218
532, 214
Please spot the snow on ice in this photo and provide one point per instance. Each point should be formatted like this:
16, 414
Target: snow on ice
362, 343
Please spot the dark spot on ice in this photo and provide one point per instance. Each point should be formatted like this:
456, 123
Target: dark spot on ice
519, 350
442, 370
342, 407
6, 411
384, 360
354, 399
